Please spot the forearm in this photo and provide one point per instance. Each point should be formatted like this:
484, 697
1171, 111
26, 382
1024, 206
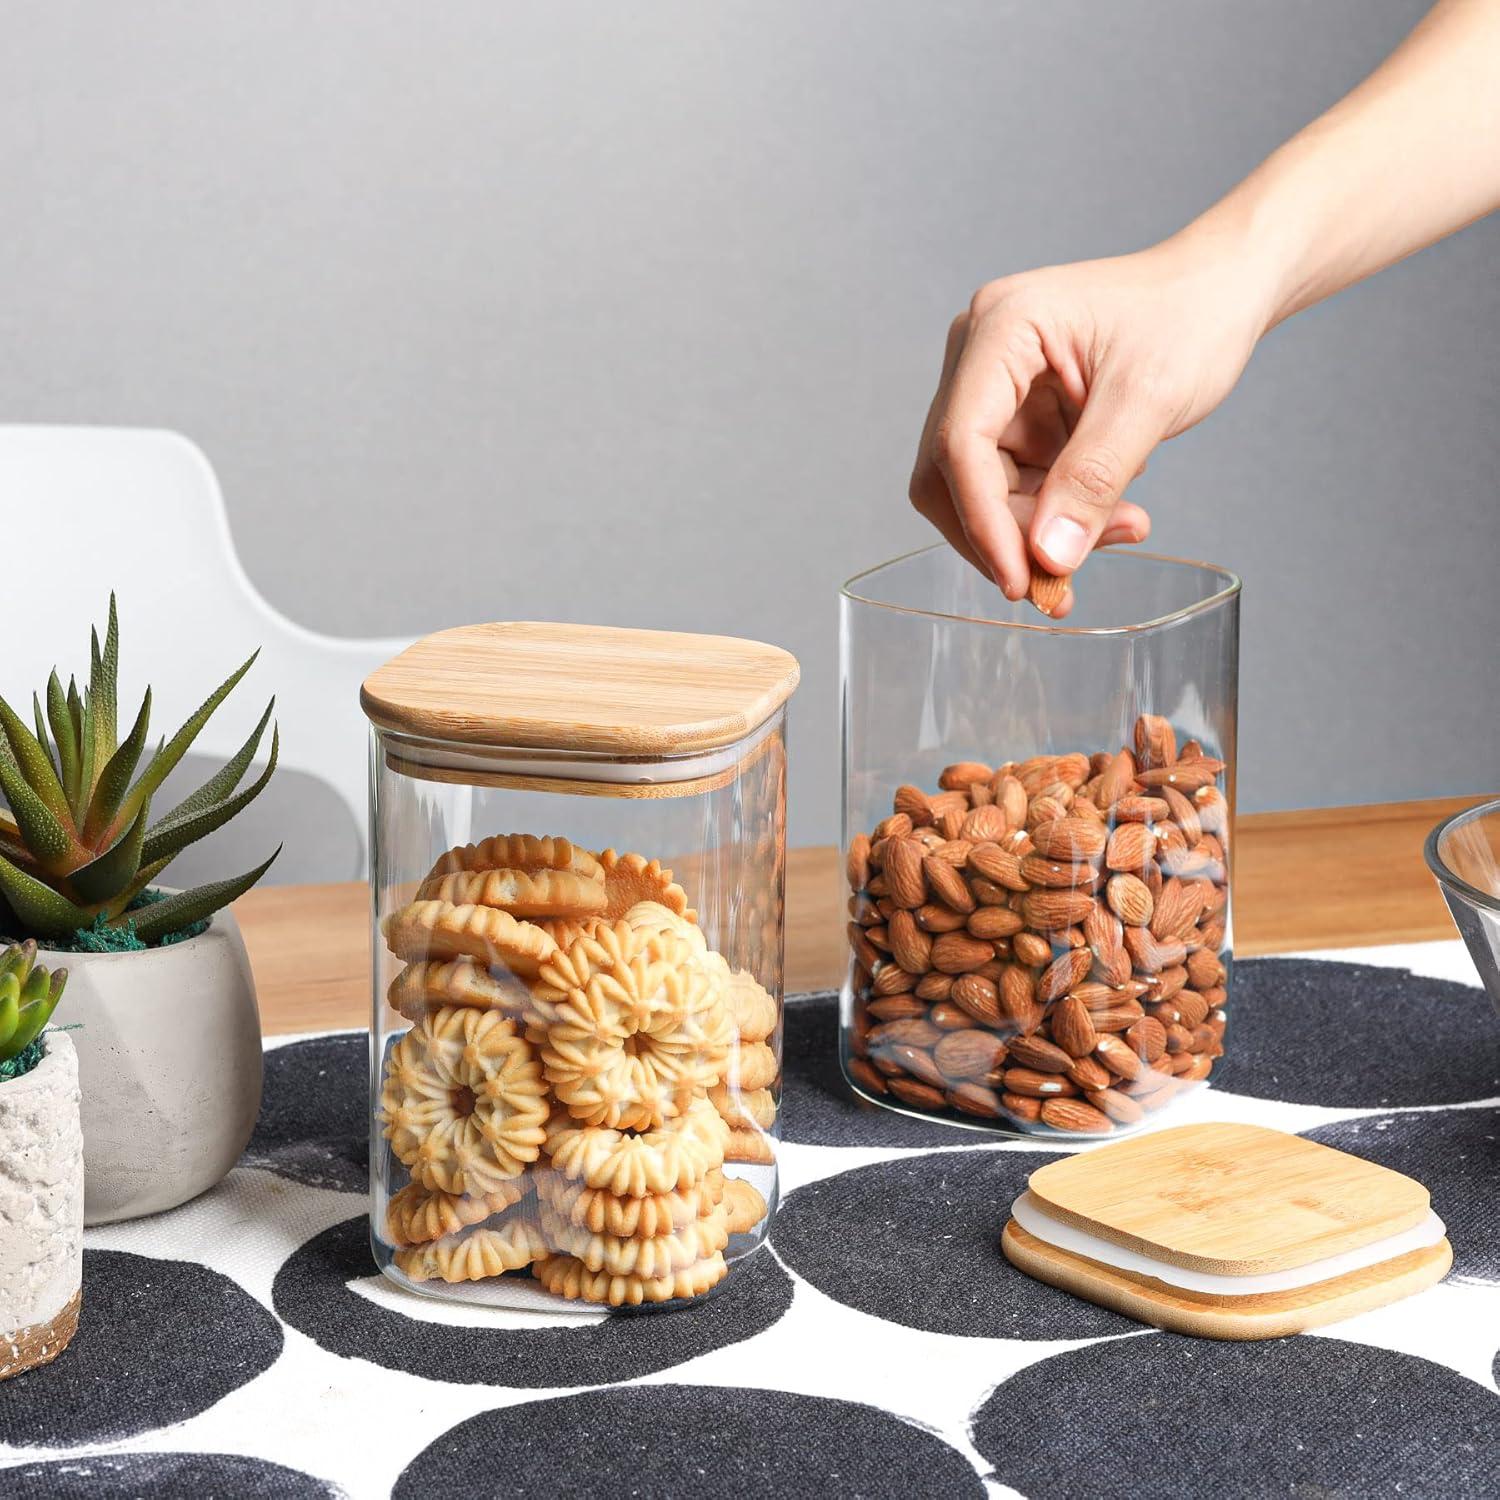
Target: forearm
1409, 156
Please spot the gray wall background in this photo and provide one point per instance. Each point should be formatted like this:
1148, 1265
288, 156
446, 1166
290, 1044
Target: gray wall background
631, 314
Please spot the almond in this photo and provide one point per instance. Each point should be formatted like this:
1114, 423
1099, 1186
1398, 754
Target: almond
892, 979
865, 952
1070, 840
1155, 741
1116, 780
1016, 996
1168, 983
910, 946
912, 801
1011, 799
1184, 814
984, 825
1090, 1074
1033, 1085
1032, 950
865, 1076
948, 823
961, 774
968, 1054
1192, 1007
896, 1007
979, 998
857, 861
1179, 1039
975, 1099
1065, 971
1114, 970
1140, 809
958, 953
1044, 810
987, 893
934, 986
980, 794
1132, 846
1021, 1108
1204, 970
1071, 1027
991, 922
918, 1095
998, 865
1117, 1017
1149, 955
947, 884
913, 1032
1119, 1057
947, 1016
1199, 1067
1129, 899
1186, 778
1148, 1038
1175, 912
1122, 1109
915, 1061
903, 872
1075, 1115
1047, 591
1039, 1054
897, 826
1213, 810
935, 917
1048, 911
953, 852
1102, 930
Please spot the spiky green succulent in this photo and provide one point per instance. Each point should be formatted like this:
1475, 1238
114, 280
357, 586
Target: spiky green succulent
79, 846
28, 996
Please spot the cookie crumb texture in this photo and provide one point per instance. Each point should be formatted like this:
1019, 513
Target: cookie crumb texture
1043, 944
582, 1075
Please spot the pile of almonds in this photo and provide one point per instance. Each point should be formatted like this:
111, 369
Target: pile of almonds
1040, 944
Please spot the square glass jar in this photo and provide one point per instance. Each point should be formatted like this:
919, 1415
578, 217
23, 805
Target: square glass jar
577, 862
1037, 827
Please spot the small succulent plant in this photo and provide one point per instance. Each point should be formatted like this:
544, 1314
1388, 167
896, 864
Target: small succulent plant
79, 848
28, 996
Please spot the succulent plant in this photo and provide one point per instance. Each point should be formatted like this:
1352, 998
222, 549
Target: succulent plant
28, 996
79, 846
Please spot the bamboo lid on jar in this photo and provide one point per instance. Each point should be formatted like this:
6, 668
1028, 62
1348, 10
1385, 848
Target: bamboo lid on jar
1227, 1231
628, 696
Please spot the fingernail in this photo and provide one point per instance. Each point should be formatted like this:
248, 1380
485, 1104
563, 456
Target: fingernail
1063, 543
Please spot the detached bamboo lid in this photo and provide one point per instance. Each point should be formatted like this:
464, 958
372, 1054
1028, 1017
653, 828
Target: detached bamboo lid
587, 688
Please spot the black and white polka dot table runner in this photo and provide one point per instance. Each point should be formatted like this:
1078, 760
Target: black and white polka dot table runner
244, 1345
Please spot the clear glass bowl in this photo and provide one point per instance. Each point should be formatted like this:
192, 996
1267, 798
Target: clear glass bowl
1463, 852
1037, 824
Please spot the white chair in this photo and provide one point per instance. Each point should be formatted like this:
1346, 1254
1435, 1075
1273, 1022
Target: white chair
90, 509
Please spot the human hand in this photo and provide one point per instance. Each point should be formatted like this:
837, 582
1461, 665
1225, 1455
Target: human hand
1056, 386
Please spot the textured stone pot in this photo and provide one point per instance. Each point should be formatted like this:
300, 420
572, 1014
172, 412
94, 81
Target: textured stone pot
170, 1063
41, 1209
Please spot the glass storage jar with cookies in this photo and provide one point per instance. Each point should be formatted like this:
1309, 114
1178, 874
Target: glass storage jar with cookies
1037, 830
577, 860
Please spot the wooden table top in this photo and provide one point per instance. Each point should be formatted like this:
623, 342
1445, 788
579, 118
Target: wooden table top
1342, 877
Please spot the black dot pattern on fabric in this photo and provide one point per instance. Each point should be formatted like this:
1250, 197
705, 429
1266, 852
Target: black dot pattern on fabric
158, 1342
689, 1442
1298, 1416
1455, 1154
1310, 1031
314, 1124
311, 1293
820, 1109
917, 1242
162, 1476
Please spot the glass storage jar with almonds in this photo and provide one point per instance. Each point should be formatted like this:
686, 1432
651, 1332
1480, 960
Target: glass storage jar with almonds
1037, 835
577, 861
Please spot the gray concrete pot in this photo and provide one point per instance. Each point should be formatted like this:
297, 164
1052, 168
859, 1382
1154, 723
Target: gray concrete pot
41, 1209
170, 1063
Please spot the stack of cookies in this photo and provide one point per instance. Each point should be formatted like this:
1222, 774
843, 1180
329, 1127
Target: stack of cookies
579, 1068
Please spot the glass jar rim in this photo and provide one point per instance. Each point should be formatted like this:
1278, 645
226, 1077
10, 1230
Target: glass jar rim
1109, 556
1442, 871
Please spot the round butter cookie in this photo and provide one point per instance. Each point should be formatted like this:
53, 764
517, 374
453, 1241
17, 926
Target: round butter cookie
439, 930
752, 1006
679, 1154
507, 1244
602, 1212
744, 1207
518, 851
460, 981
647, 1258
739, 1108
464, 1102
630, 879
416, 1214
564, 1276
523, 893
751, 1146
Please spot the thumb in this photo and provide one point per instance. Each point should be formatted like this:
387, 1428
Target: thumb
1115, 433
